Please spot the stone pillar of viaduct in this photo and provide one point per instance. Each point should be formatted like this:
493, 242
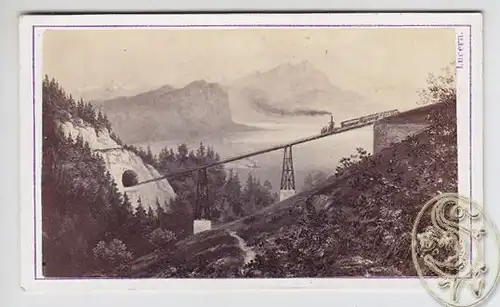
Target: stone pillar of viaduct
396, 128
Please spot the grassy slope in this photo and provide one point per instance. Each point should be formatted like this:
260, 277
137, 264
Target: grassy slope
368, 214
210, 253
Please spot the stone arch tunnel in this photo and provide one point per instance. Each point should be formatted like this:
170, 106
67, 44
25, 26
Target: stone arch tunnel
129, 178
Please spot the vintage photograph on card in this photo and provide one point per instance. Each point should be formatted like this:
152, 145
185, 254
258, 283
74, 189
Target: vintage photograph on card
248, 146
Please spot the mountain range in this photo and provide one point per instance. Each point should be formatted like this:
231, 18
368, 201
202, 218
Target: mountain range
201, 108
290, 90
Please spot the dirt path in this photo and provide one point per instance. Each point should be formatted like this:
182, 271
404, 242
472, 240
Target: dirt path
249, 253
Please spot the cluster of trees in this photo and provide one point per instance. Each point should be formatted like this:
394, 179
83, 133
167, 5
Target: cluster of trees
88, 225
229, 197
67, 107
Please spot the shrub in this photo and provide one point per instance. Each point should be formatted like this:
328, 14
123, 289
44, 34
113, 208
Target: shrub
440, 88
112, 254
347, 162
159, 237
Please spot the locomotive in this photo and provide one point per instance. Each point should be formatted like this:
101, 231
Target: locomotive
330, 127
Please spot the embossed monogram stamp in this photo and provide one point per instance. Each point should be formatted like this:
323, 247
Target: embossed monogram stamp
455, 250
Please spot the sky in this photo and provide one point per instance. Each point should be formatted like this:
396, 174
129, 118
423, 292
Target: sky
390, 63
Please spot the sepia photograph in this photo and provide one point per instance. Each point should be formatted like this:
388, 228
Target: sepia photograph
242, 151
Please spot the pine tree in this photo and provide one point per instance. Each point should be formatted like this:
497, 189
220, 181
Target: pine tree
126, 209
140, 212
179, 218
162, 162
100, 120
150, 158
182, 154
151, 220
86, 147
79, 141
171, 155
140, 219
160, 215
201, 154
107, 123
80, 108
210, 153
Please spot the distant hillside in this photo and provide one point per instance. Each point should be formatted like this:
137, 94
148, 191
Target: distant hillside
108, 91
289, 88
354, 224
199, 108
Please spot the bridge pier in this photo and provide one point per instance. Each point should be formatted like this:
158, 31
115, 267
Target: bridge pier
201, 225
287, 188
202, 221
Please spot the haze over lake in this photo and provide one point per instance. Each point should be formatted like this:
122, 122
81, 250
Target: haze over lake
322, 154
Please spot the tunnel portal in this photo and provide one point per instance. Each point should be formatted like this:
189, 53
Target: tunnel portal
129, 178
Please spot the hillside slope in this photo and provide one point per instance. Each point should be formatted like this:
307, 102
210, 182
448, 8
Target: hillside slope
356, 224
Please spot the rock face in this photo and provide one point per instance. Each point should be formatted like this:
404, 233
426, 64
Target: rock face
385, 134
119, 160
396, 128
199, 108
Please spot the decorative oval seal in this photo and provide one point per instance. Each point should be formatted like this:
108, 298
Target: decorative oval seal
449, 239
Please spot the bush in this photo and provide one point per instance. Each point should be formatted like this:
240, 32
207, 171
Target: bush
314, 179
307, 248
112, 254
159, 237
347, 162
440, 88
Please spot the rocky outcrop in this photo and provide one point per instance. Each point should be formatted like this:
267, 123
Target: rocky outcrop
396, 128
385, 134
98, 140
199, 108
118, 160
